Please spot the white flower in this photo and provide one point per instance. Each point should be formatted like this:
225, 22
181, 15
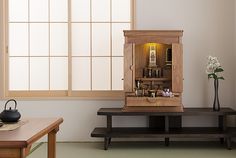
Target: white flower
213, 68
210, 69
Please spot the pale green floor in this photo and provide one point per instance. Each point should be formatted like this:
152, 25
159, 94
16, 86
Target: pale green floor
139, 150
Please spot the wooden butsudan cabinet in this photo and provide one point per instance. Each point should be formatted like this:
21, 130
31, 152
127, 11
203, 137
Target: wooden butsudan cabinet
153, 70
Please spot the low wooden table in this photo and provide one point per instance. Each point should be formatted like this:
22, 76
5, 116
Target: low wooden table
17, 143
168, 128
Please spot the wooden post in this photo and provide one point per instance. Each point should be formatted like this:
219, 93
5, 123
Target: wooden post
228, 141
106, 143
27, 150
52, 143
167, 130
107, 140
166, 123
109, 123
23, 153
222, 124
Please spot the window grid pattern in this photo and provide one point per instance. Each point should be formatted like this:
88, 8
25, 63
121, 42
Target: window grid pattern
40, 49
94, 65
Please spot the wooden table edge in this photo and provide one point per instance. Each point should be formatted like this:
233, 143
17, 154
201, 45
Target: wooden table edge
25, 144
54, 126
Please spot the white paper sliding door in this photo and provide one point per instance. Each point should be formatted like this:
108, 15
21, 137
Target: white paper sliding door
74, 47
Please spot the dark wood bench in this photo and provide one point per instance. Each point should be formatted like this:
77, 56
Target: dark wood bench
167, 125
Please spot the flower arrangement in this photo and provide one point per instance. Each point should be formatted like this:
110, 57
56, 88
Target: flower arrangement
214, 68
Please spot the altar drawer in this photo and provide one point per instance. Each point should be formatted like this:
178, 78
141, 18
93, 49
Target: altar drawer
153, 102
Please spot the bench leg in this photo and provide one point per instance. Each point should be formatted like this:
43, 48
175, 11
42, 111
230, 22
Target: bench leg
222, 140
109, 140
106, 143
167, 141
228, 141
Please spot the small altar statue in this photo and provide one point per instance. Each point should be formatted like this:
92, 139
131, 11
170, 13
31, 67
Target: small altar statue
152, 56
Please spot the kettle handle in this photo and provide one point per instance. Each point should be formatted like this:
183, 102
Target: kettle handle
9, 101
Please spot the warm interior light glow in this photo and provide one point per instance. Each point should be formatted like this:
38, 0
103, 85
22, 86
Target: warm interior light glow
158, 46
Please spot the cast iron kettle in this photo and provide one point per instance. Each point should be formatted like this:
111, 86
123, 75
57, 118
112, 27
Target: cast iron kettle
10, 115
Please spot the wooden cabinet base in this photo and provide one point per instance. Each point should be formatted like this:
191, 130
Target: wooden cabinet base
153, 102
